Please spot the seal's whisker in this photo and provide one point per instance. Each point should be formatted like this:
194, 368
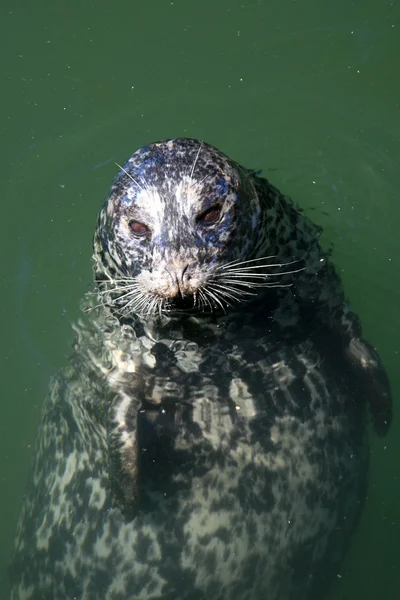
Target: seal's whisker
246, 281
247, 271
239, 261
200, 181
234, 287
232, 294
146, 307
151, 306
286, 272
136, 303
237, 282
141, 303
195, 160
124, 282
254, 284
203, 297
239, 274
202, 303
127, 294
128, 291
228, 297
156, 306
214, 297
126, 286
130, 177
118, 279
251, 267
116, 288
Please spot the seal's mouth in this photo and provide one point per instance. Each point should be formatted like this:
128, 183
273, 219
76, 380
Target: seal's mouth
182, 302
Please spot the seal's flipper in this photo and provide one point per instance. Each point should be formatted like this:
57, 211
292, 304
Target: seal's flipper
365, 360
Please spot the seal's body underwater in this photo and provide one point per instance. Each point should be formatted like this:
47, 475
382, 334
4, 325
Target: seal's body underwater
208, 440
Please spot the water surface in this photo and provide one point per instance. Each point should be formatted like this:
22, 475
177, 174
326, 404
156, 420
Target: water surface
308, 91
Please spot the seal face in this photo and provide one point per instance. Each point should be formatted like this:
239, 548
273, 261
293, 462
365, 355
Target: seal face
208, 439
177, 213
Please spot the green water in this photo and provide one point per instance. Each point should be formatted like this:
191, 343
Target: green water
307, 90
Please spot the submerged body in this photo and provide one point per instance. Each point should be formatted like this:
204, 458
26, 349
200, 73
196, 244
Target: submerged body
208, 440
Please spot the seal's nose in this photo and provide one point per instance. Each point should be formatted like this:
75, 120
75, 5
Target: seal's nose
180, 279
185, 275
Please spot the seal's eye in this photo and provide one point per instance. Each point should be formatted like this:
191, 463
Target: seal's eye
210, 216
138, 229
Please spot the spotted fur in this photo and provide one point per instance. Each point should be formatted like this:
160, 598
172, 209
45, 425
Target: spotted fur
208, 440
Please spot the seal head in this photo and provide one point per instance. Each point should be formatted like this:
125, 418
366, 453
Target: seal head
176, 211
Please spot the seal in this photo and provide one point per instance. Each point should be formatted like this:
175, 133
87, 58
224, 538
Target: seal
208, 439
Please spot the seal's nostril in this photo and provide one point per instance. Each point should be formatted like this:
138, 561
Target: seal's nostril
186, 274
